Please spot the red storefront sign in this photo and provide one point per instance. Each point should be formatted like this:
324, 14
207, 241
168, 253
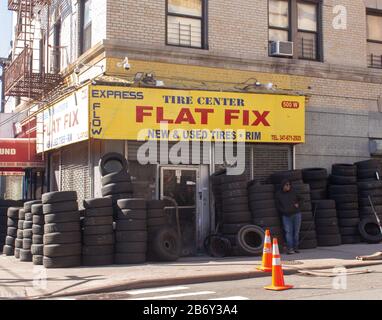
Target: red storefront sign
19, 153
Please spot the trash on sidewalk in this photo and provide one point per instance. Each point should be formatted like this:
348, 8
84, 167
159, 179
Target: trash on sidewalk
320, 273
374, 256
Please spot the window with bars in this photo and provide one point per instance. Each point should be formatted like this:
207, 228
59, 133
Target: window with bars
186, 23
297, 21
374, 38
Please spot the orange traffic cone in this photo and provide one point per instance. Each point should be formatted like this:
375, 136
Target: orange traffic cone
277, 271
266, 265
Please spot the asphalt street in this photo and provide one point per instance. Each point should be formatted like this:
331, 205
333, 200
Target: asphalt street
330, 285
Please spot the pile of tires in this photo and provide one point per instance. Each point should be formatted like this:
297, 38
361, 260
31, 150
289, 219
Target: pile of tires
37, 248
4, 206
369, 170
115, 178
25, 252
62, 230
308, 239
263, 209
19, 233
97, 232
317, 178
131, 232
343, 189
327, 229
12, 222
235, 208
217, 193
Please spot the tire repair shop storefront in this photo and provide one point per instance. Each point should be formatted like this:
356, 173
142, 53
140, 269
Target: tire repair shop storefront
147, 124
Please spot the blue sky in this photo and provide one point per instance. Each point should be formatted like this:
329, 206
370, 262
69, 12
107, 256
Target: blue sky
5, 28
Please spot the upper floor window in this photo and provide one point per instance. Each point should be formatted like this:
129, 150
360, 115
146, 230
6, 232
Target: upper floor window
374, 38
86, 25
186, 23
297, 21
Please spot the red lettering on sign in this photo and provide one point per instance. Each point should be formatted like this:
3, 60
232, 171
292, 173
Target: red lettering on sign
160, 116
140, 113
260, 118
230, 115
204, 114
185, 115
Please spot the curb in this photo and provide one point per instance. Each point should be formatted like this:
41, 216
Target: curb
142, 284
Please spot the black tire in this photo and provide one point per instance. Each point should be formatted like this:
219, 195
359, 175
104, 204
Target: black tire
99, 260
62, 250
27, 234
8, 250
62, 262
349, 231
117, 188
97, 230
372, 193
308, 225
13, 212
37, 229
18, 243
12, 232
237, 217
266, 222
239, 185
131, 247
318, 194
305, 206
157, 222
234, 178
129, 258
20, 224
342, 180
329, 240
369, 210
98, 240
347, 206
261, 188
265, 213
60, 207
21, 214
347, 214
321, 231
28, 216
300, 188
349, 222
37, 249
368, 164
155, 204
217, 246
25, 255
364, 202
250, 240
122, 236
28, 205
368, 173
345, 170
37, 209
131, 225
138, 214
369, 185
308, 234
155, 213
116, 177
97, 203
112, 156
323, 204
307, 216
236, 207
318, 184
62, 238
326, 222
291, 175
352, 239
165, 245
326, 213
115, 197
259, 205
313, 174
17, 253
98, 221
27, 225
344, 189
370, 231
38, 260
62, 227
228, 194
99, 212
59, 196
10, 241
235, 201
135, 203
308, 244
253, 197
37, 239
97, 250
73, 216
37, 219
341, 198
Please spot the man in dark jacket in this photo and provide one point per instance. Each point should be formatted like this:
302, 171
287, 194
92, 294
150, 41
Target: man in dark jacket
287, 203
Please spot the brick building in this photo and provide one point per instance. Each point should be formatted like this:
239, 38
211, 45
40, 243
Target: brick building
214, 46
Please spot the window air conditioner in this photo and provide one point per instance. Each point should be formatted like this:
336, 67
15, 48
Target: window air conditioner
282, 48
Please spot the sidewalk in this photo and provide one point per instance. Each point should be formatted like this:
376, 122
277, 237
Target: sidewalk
17, 278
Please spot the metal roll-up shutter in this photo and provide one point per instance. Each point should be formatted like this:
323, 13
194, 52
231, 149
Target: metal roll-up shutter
268, 159
75, 173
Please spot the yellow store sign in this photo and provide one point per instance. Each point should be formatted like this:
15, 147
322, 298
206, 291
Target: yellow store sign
145, 113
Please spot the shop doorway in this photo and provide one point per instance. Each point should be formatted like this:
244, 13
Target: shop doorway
183, 184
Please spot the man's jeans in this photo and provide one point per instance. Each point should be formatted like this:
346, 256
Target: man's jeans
292, 227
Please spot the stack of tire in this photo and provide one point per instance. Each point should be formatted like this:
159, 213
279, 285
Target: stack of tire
327, 229
62, 230
317, 178
37, 248
217, 193
369, 185
97, 232
235, 209
115, 178
4, 205
343, 189
308, 237
131, 232
25, 252
263, 209
12, 221
19, 234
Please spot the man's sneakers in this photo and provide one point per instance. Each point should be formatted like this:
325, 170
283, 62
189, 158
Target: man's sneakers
296, 251
290, 251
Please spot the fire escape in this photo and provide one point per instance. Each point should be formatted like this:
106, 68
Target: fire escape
26, 76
